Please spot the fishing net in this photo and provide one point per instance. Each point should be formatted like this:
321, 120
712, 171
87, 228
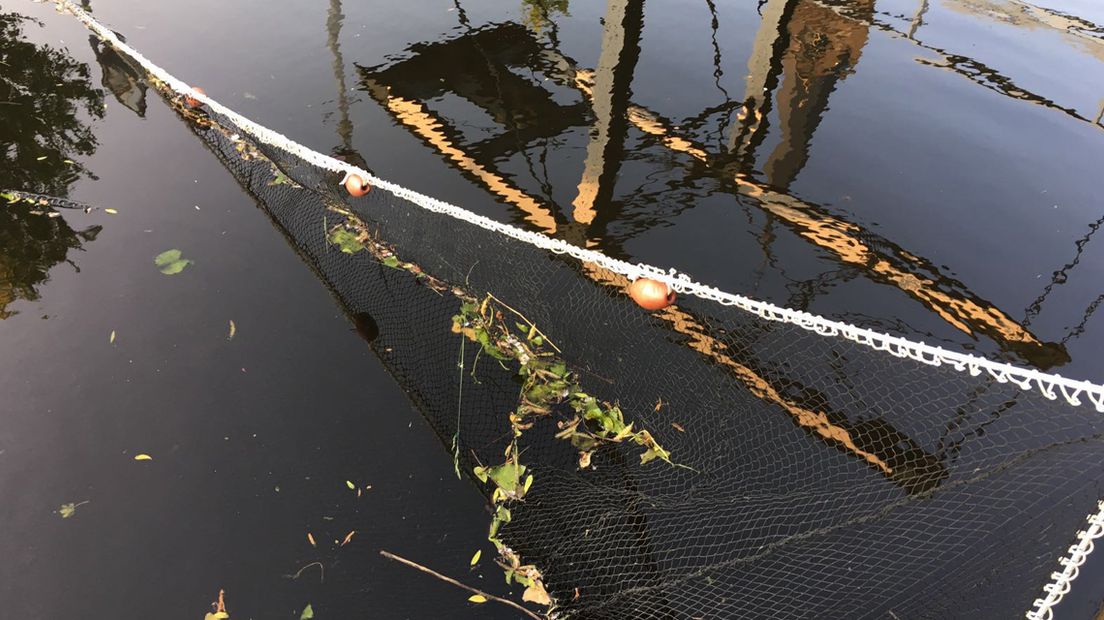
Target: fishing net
807, 469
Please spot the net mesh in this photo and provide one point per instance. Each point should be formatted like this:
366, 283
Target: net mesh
821, 478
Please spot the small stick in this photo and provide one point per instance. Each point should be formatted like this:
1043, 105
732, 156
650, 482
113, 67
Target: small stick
321, 578
392, 556
526, 319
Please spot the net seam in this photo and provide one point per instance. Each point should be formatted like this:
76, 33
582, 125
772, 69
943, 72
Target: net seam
1062, 581
1051, 386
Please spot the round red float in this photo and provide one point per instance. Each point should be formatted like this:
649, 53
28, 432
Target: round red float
192, 101
651, 294
356, 186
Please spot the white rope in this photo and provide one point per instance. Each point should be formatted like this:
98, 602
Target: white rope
1049, 385
1062, 581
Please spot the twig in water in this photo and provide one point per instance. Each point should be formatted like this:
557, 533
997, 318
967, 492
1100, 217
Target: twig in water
322, 570
491, 597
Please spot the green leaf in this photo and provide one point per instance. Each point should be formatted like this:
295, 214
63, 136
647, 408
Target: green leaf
481, 473
281, 179
475, 558
346, 241
391, 261
477, 598
217, 615
174, 268
308, 613
167, 257
507, 476
349, 483
170, 262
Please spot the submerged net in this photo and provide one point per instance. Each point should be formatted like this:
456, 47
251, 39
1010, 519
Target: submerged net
817, 470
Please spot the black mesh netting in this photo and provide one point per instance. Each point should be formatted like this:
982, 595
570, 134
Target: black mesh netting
829, 480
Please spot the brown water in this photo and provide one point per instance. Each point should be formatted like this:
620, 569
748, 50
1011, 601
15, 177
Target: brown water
926, 168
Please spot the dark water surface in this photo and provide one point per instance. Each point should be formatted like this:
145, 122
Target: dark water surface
928, 168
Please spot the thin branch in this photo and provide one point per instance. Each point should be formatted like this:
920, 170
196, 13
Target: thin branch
322, 569
491, 597
526, 319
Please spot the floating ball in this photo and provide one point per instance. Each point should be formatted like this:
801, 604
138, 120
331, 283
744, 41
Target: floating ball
651, 294
357, 186
192, 101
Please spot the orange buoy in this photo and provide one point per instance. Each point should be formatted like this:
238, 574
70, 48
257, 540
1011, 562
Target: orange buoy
192, 101
651, 294
356, 185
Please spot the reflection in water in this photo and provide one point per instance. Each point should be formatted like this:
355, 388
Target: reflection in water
344, 151
45, 96
967, 67
539, 14
120, 76
802, 51
621, 31
31, 243
403, 88
802, 54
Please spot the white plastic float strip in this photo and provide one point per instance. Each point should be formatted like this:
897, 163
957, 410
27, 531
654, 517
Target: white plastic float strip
1062, 581
1050, 385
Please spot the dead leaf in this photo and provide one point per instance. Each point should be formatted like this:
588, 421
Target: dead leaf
111, 340
233, 330
477, 598
310, 539
678, 427
659, 405
584, 460
111, 211
143, 457
348, 537
475, 558
536, 594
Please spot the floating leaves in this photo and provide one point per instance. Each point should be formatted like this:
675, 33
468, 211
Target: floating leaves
233, 330
477, 598
68, 510
143, 457
111, 211
170, 262
308, 613
346, 241
475, 558
111, 339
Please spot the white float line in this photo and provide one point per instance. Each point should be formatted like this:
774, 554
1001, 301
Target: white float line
1062, 581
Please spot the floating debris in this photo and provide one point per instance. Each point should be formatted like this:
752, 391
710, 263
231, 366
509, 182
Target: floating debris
68, 510
170, 262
